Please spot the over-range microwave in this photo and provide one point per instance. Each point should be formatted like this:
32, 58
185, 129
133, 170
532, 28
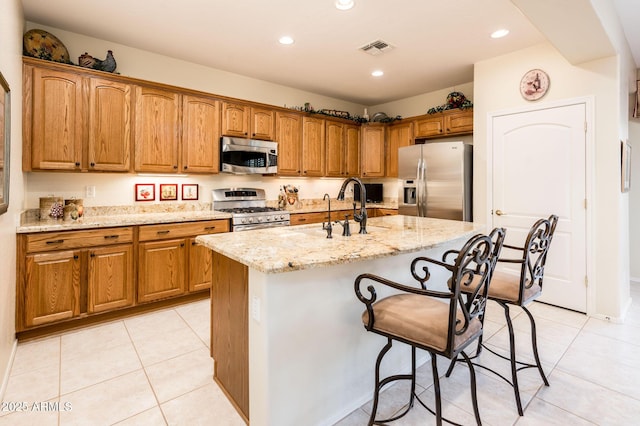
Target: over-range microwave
248, 156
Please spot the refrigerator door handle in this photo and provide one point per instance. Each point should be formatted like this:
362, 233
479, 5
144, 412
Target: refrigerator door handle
419, 183
424, 188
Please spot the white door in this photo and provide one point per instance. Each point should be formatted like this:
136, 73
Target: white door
539, 170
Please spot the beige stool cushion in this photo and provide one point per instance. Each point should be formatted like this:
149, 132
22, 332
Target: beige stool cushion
506, 287
418, 319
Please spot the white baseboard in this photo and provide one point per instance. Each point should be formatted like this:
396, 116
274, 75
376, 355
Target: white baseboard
7, 372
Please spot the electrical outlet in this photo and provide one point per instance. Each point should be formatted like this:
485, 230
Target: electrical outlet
90, 191
255, 308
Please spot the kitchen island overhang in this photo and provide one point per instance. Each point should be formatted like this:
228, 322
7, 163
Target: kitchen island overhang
287, 338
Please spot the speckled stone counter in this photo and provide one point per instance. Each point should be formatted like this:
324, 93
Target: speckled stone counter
284, 249
286, 296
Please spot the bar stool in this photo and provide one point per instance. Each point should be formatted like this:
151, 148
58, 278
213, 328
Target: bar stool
439, 322
520, 290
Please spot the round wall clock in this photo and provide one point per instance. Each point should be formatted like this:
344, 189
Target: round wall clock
534, 84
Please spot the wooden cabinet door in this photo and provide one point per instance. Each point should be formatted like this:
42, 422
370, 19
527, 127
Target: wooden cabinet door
109, 142
289, 137
110, 278
352, 150
52, 287
156, 130
429, 126
335, 145
200, 266
459, 122
313, 147
263, 124
400, 135
235, 120
373, 151
56, 119
200, 135
161, 269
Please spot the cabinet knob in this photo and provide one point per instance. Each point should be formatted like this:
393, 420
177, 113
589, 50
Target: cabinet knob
175, 166
186, 167
93, 164
77, 164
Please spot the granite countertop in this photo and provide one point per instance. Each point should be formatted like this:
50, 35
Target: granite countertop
283, 249
110, 220
105, 217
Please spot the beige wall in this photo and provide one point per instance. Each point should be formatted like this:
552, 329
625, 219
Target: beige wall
496, 89
11, 23
634, 201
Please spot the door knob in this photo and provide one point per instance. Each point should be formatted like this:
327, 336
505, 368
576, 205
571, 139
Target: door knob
499, 212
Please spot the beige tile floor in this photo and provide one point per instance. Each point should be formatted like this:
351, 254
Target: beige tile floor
155, 369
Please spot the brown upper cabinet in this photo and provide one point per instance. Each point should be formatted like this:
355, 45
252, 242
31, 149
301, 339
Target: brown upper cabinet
343, 149
156, 130
74, 122
200, 134
400, 135
313, 147
373, 150
289, 137
446, 123
162, 145
246, 121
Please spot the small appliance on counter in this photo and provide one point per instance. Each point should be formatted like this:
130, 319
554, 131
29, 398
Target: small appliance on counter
248, 207
373, 190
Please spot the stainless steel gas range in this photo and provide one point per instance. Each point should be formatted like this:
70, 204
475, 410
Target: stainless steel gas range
248, 207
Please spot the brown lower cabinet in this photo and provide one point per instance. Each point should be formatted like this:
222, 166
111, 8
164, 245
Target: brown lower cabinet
317, 217
70, 275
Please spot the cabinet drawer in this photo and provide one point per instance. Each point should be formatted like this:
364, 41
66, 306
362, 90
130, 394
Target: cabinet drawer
64, 240
181, 230
304, 218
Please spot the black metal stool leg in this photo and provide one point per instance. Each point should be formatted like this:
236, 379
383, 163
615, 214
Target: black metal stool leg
534, 344
376, 392
436, 389
512, 349
474, 394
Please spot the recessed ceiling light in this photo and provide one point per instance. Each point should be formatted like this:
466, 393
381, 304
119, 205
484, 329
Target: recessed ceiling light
286, 40
499, 33
377, 73
344, 4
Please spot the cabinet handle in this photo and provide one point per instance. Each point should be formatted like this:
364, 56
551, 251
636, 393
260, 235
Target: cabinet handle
55, 242
209, 228
75, 257
77, 164
175, 167
163, 232
111, 237
92, 254
181, 244
302, 219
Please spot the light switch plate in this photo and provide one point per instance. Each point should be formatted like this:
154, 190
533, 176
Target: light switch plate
90, 191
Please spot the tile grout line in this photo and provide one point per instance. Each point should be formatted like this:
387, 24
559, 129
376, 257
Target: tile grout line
144, 370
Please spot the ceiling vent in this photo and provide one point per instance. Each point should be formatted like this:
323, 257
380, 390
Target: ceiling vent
376, 47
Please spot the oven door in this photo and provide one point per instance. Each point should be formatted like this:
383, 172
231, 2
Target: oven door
238, 228
247, 156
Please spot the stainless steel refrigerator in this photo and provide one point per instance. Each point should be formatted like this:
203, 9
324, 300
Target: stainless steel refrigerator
436, 180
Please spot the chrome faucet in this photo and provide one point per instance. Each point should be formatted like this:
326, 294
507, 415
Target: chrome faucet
328, 227
362, 217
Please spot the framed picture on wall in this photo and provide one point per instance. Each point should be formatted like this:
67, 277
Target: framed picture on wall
168, 191
5, 144
189, 191
145, 191
625, 175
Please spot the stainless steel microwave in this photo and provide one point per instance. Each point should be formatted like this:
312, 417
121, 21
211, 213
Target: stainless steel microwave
248, 156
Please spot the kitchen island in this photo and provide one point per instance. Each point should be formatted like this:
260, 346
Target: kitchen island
287, 339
